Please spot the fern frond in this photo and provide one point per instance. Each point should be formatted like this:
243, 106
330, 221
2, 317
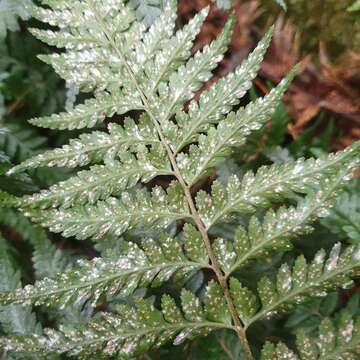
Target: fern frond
216, 102
127, 67
344, 217
277, 352
153, 39
7, 200
188, 78
171, 58
158, 210
47, 259
336, 340
158, 35
86, 70
307, 280
100, 181
148, 11
245, 301
155, 70
278, 228
230, 133
97, 146
10, 12
150, 264
20, 142
90, 113
14, 318
88, 64
272, 183
130, 333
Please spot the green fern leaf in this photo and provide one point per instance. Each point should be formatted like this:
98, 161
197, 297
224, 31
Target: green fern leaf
14, 318
101, 181
304, 281
47, 259
97, 146
116, 216
336, 340
278, 228
7, 200
20, 142
215, 304
278, 352
344, 217
216, 102
151, 264
68, 66
339, 342
88, 114
173, 56
230, 133
272, 183
158, 35
188, 78
127, 67
246, 303
133, 331
10, 12
148, 10
89, 64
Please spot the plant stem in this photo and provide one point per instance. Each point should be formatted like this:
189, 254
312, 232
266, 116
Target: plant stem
217, 269
196, 217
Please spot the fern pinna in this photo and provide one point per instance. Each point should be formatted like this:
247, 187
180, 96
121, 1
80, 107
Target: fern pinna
127, 67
